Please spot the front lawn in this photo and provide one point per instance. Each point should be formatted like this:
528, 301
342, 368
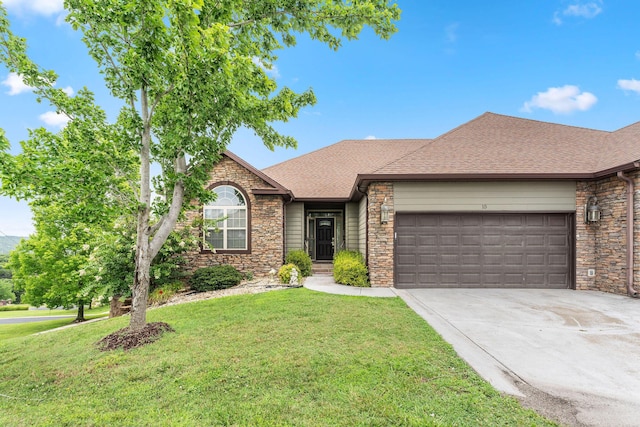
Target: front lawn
36, 313
292, 357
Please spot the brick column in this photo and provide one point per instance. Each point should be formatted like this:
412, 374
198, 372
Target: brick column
585, 239
380, 243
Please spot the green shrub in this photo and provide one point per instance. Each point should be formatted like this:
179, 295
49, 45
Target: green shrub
349, 269
285, 273
302, 260
14, 307
214, 278
162, 294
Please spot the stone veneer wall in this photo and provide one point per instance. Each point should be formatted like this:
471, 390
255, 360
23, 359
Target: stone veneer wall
585, 239
380, 245
266, 223
603, 246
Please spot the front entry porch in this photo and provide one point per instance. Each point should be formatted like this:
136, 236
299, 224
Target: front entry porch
324, 268
324, 232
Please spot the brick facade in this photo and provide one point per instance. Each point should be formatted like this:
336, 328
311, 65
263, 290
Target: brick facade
600, 246
266, 223
380, 245
603, 245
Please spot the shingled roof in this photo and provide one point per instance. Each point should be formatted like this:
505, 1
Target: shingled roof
491, 146
329, 173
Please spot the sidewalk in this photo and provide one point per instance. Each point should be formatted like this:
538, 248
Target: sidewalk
328, 285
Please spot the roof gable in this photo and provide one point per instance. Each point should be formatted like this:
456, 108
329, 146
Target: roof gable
491, 146
329, 173
498, 145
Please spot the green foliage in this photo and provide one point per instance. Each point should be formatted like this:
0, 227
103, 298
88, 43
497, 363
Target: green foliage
14, 307
214, 278
189, 74
5, 273
6, 290
284, 273
349, 269
112, 261
163, 293
302, 260
47, 266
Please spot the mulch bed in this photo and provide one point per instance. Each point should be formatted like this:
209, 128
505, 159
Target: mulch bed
127, 339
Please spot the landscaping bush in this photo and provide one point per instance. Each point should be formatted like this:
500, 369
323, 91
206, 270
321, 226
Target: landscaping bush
302, 260
349, 269
14, 307
214, 278
162, 294
285, 273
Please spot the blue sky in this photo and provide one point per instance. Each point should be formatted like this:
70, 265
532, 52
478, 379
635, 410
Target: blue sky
573, 62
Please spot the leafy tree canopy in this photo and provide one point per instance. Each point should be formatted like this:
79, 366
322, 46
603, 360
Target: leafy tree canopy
190, 73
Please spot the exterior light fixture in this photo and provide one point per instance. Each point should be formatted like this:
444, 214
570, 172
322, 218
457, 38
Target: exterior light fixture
591, 210
384, 212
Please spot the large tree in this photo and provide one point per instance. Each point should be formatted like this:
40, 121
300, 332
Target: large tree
192, 72
48, 266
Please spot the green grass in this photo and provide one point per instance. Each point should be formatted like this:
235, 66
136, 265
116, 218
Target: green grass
282, 358
24, 329
36, 313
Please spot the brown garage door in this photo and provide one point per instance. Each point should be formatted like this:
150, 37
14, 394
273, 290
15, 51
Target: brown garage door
484, 250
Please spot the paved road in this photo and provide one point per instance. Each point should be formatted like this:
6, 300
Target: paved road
15, 320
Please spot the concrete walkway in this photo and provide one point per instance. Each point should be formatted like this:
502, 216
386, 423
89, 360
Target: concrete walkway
573, 356
328, 285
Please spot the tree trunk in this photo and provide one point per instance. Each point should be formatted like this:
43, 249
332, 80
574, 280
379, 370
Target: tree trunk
80, 317
142, 277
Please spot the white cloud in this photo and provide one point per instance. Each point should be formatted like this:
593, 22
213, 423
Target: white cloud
271, 69
370, 137
54, 119
580, 9
638, 54
561, 100
40, 7
15, 84
632, 85
586, 10
451, 32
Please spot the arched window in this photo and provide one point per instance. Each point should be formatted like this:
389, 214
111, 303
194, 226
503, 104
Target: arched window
225, 220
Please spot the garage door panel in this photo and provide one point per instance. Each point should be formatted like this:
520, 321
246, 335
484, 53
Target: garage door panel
537, 260
558, 221
557, 279
538, 280
535, 241
560, 260
558, 240
515, 260
533, 220
484, 250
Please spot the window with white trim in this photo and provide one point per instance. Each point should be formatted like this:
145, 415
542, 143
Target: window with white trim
225, 220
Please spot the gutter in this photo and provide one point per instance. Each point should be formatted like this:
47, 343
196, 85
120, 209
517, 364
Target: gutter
630, 228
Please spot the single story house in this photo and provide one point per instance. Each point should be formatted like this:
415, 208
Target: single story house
497, 202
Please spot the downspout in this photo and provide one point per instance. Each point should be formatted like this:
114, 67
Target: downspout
630, 228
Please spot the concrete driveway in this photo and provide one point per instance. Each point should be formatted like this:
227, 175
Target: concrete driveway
571, 355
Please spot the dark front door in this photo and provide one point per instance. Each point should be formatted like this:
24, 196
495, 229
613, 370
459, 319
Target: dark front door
324, 238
